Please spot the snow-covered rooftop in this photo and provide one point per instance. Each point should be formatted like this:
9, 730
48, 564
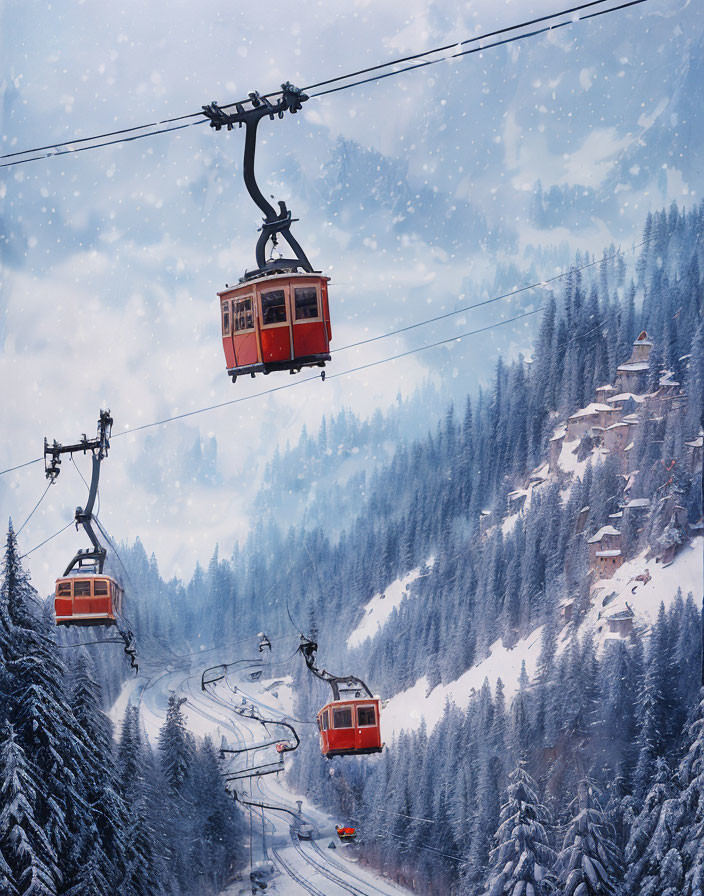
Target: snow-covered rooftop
621, 614
625, 396
643, 339
638, 503
605, 530
559, 433
632, 367
696, 443
591, 410
607, 388
613, 553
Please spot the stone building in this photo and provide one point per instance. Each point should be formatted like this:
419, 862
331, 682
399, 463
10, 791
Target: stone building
605, 554
633, 375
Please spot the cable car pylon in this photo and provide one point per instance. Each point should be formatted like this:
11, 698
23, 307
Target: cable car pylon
277, 317
85, 595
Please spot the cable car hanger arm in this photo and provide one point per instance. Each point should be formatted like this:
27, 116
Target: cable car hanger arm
275, 223
309, 648
99, 447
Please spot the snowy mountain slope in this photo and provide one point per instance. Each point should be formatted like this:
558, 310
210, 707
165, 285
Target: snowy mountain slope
406, 710
382, 605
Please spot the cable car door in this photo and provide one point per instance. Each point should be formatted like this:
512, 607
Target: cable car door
367, 726
275, 324
343, 732
227, 343
309, 330
244, 332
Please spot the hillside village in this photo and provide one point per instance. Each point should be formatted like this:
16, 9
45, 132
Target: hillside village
608, 427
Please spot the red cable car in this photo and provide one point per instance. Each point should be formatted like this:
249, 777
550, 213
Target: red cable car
350, 728
350, 724
87, 600
277, 317
276, 322
85, 595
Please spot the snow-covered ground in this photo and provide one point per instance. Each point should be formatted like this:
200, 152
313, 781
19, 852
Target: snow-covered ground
645, 598
407, 709
300, 866
379, 609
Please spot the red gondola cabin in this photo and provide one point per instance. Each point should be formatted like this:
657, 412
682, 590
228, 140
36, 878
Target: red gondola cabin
277, 322
87, 600
350, 728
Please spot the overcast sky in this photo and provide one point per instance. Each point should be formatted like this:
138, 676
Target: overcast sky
112, 258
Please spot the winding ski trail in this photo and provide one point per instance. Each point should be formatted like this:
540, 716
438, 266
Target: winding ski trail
304, 867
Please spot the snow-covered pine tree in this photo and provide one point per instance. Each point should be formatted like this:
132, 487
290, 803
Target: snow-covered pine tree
589, 863
651, 838
36, 706
90, 878
652, 708
523, 859
175, 745
100, 786
145, 847
691, 834
28, 863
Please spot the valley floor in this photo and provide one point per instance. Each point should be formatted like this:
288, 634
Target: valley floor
310, 867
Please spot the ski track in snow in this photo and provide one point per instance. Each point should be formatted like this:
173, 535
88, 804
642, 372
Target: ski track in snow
407, 709
304, 867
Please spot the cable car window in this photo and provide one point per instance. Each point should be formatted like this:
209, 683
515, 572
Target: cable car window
64, 589
248, 314
324, 718
100, 587
366, 715
225, 318
306, 298
342, 718
274, 307
242, 313
81, 589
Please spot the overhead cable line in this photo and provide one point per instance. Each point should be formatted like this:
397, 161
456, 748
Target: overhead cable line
156, 126
35, 506
498, 43
330, 376
46, 540
66, 152
506, 295
462, 43
309, 379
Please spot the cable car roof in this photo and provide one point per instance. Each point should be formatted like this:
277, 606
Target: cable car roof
283, 275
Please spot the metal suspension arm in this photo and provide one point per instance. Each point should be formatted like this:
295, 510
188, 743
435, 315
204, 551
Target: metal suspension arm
348, 683
284, 748
99, 447
241, 798
270, 768
275, 223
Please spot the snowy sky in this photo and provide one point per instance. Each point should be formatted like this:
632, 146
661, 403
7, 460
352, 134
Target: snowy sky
108, 288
